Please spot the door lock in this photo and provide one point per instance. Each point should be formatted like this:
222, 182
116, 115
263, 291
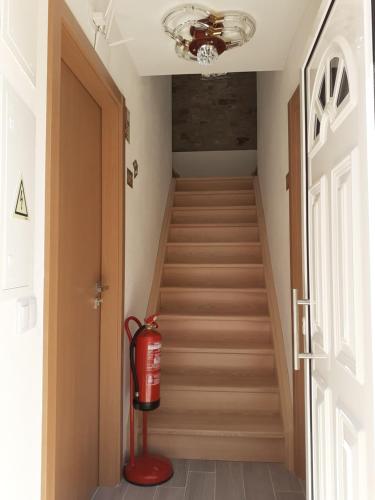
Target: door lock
98, 302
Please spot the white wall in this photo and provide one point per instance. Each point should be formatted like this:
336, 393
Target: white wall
215, 163
150, 104
21, 354
274, 92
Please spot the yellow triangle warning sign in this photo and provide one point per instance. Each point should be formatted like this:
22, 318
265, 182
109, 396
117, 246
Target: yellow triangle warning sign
21, 205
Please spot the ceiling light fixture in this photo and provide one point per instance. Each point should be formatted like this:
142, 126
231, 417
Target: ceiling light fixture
202, 35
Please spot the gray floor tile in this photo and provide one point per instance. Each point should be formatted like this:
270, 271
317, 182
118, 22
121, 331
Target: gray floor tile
108, 493
140, 492
283, 480
180, 468
229, 481
170, 493
257, 482
200, 486
290, 495
202, 465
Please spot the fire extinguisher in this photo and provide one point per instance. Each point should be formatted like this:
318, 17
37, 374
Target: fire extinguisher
145, 365
145, 345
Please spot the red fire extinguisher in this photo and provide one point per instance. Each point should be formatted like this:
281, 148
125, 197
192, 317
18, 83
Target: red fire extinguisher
145, 365
145, 345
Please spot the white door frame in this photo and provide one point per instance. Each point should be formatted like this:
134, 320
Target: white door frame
319, 25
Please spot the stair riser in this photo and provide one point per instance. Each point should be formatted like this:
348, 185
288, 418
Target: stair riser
218, 448
219, 401
213, 234
214, 200
214, 277
261, 364
213, 216
214, 254
206, 302
213, 184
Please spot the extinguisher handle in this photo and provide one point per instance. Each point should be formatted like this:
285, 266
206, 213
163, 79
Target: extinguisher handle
151, 320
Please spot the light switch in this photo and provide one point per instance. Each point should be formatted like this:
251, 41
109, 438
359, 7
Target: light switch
26, 314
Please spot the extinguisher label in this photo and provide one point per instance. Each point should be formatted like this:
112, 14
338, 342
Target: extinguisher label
153, 379
153, 356
156, 346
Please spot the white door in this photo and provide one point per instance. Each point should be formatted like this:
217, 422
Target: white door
339, 122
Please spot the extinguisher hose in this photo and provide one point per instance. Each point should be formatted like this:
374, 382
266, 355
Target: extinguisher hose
132, 361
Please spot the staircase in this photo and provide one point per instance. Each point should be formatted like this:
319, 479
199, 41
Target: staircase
220, 395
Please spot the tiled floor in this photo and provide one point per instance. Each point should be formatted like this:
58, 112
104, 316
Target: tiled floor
203, 480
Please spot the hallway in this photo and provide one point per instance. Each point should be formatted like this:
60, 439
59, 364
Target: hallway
210, 480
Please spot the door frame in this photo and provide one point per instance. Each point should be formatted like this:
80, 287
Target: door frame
67, 42
296, 272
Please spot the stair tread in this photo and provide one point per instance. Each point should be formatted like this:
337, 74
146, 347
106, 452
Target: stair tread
212, 208
262, 290
182, 265
214, 243
236, 317
214, 423
217, 178
189, 225
215, 192
203, 379
238, 344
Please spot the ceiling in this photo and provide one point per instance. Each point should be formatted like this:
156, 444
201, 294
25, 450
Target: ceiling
153, 52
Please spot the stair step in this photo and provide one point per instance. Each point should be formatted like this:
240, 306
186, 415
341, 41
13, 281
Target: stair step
230, 334
220, 253
220, 380
205, 423
219, 401
260, 363
216, 233
224, 436
194, 215
178, 343
214, 275
214, 184
214, 301
214, 198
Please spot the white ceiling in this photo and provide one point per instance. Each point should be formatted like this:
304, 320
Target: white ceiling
153, 52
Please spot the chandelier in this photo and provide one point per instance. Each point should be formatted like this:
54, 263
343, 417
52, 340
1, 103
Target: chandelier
202, 35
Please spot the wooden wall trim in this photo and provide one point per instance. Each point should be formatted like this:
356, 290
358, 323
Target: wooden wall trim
278, 339
153, 303
67, 42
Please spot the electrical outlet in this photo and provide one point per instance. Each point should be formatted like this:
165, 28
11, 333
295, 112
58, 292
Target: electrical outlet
129, 177
135, 168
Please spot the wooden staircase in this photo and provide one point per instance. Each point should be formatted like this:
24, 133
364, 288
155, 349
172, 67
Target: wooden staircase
220, 393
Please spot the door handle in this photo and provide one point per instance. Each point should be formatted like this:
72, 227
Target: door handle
297, 355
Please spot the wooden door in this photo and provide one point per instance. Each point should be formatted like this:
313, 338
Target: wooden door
296, 265
340, 147
80, 269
